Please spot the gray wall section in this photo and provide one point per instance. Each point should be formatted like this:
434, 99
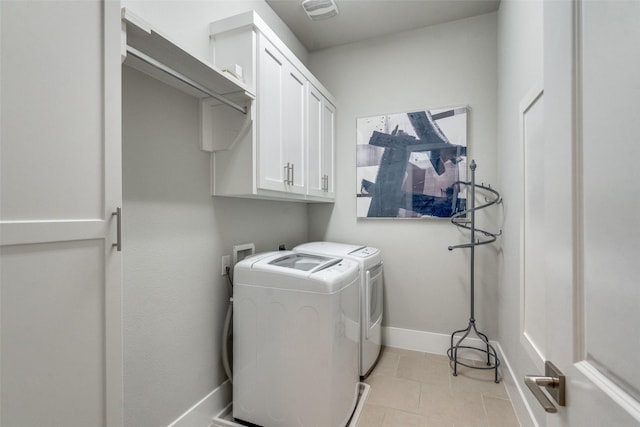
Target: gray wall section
175, 233
520, 68
427, 286
175, 299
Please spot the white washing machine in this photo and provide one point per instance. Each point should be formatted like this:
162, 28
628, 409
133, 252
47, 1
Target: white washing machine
371, 293
295, 340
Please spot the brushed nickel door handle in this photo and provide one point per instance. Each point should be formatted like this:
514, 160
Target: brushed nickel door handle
553, 382
118, 243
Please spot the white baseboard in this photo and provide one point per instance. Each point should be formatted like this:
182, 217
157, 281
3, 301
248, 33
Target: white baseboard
427, 342
431, 342
203, 412
516, 392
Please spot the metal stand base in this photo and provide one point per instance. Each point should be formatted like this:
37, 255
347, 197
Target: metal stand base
492, 357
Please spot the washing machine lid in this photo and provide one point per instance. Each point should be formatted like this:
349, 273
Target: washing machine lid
337, 249
304, 262
296, 271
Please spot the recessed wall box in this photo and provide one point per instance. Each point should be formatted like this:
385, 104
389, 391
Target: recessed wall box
240, 252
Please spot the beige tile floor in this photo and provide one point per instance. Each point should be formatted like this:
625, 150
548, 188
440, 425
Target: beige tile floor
410, 388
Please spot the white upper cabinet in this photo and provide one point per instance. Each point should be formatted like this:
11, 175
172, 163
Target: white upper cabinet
284, 149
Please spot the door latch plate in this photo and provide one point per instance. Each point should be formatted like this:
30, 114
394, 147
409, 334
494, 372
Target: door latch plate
557, 392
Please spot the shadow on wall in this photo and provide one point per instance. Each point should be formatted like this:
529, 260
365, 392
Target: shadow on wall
265, 223
319, 218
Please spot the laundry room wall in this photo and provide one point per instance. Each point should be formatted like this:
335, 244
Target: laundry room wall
427, 286
175, 233
175, 298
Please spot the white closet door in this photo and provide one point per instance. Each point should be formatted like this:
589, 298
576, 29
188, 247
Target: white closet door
60, 283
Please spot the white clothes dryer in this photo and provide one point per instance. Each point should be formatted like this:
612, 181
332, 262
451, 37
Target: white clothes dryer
371, 294
295, 340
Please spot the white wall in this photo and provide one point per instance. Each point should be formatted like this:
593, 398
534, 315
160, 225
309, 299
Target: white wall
520, 59
175, 234
427, 286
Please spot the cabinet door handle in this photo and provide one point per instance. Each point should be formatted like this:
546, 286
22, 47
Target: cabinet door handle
292, 174
118, 215
287, 171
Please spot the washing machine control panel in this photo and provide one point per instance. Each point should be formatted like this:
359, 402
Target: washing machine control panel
340, 267
365, 252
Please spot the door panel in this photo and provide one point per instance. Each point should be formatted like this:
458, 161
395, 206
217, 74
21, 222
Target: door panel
321, 116
271, 76
328, 146
53, 345
60, 287
46, 94
314, 129
610, 153
294, 108
534, 319
590, 240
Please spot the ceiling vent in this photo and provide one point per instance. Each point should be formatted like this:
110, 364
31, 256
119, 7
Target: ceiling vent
320, 9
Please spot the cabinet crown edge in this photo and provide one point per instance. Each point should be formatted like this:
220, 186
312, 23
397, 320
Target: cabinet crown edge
251, 20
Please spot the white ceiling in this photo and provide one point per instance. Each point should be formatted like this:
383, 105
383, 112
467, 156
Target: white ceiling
362, 19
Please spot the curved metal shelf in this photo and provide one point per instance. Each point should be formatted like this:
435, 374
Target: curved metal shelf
466, 219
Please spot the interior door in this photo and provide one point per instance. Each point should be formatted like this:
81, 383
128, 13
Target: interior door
591, 198
60, 280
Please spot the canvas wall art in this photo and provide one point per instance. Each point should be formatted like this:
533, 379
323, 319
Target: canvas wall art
408, 164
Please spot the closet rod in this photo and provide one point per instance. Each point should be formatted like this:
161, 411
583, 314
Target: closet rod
173, 73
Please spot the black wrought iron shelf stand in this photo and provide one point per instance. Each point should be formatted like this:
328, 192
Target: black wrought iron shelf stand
461, 220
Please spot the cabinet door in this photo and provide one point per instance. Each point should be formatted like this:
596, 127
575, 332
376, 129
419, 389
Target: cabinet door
328, 146
60, 282
281, 97
294, 99
320, 138
271, 163
314, 142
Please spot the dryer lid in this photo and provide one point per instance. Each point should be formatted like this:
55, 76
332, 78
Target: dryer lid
337, 249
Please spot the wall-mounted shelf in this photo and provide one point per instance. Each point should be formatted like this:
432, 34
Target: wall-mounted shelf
147, 50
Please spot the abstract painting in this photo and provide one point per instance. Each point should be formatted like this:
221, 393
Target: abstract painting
409, 164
